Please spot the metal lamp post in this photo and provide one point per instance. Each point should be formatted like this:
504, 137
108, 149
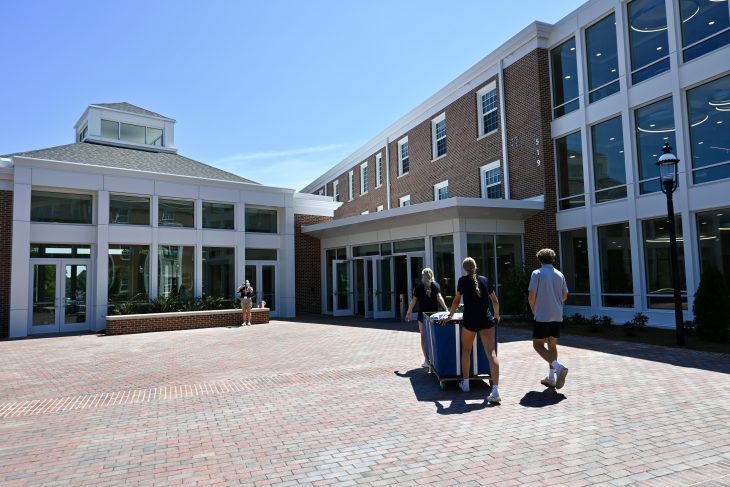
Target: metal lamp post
668, 177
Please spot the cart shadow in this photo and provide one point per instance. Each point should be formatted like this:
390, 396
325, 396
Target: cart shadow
426, 389
536, 399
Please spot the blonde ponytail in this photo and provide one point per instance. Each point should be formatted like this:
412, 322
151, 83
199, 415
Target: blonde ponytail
470, 266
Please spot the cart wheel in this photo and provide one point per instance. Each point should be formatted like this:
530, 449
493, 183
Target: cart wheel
442, 385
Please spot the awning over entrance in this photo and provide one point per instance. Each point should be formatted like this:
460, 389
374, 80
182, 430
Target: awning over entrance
432, 211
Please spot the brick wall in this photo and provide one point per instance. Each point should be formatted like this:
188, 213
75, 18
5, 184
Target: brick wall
466, 153
123, 325
308, 266
6, 226
530, 146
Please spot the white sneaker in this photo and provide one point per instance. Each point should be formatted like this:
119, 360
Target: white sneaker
464, 384
425, 364
547, 382
560, 376
494, 397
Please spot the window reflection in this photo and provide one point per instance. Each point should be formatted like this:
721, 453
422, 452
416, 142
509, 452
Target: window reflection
574, 264
176, 264
713, 230
176, 213
602, 58
659, 288
129, 273
648, 39
704, 26
219, 272
654, 125
609, 169
571, 193
443, 262
616, 276
564, 70
709, 126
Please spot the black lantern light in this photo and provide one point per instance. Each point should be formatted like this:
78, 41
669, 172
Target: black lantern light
668, 169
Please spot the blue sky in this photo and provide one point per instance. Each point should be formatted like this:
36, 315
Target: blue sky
276, 91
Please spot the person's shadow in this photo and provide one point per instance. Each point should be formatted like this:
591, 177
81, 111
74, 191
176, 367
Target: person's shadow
548, 397
426, 389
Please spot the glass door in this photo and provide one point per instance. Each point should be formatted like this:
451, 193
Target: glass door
384, 287
414, 266
262, 277
342, 288
59, 295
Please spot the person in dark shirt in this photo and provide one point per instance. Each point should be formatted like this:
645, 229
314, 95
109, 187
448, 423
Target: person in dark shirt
427, 295
481, 314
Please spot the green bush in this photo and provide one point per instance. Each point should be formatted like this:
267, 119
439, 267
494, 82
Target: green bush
606, 321
578, 320
513, 299
712, 306
637, 323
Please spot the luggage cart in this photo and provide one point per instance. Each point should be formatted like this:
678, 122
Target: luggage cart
443, 345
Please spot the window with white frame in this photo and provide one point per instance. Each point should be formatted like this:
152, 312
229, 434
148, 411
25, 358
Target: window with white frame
404, 161
487, 109
378, 170
405, 200
336, 190
441, 190
364, 176
438, 135
379, 208
350, 187
491, 176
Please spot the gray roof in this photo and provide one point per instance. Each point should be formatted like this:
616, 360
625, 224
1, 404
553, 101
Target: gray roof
138, 160
128, 107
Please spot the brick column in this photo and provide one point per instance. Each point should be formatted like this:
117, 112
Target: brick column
6, 229
308, 266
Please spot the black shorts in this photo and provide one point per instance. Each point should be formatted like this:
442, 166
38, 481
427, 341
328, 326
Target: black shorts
476, 327
543, 329
420, 317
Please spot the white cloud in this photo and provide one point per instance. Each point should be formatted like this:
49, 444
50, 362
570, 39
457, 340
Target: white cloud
294, 168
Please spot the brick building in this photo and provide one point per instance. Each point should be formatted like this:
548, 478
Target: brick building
550, 140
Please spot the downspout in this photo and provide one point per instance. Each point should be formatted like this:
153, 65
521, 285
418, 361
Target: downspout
387, 171
503, 121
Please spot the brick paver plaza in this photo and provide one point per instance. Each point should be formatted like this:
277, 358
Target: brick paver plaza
317, 404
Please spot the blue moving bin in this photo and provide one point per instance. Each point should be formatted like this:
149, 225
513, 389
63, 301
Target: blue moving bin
443, 345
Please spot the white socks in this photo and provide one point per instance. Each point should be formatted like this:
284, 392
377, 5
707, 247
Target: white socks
551, 375
495, 389
556, 365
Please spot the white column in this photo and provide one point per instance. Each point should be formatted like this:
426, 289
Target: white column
198, 262
101, 267
20, 263
285, 286
154, 254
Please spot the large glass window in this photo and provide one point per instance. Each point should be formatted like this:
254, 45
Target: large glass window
127, 132
574, 264
132, 133
176, 267
654, 125
705, 26
660, 292
648, 40
110, 130
129, 272
218, 215
609, 169
402, 246
709, 129
176, 213
713, 230
564, 71
614, 250
129, 210
60, 250
443, 265
366, 250
46, 206
602, 58
261, 254
480, 247
261, 220
509, 258
219, 272
154, 136
569, 154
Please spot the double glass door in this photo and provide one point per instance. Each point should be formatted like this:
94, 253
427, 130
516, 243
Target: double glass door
367, 284
58, 296
262, 276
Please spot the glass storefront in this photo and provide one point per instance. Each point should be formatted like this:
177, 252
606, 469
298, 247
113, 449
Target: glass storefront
648, 41
129, 272
658, 264
569, 154
443, 266
218, 216
176, 268
574, 265
617, 286
219, 272
708, 109
713, 233
704, 26
602, 58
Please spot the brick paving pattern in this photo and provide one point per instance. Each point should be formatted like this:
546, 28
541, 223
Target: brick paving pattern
293, 403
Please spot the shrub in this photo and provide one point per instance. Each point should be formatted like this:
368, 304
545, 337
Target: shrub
712, 306
637, 323
513, 299
606, 321
578, 320
595, 323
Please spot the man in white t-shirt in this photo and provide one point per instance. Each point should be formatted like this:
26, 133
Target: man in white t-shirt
548, 292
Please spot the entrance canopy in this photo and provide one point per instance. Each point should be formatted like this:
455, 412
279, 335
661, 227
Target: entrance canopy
430, 212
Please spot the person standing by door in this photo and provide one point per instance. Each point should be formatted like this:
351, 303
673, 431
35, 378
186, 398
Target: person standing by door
247, 293
427, 295
547, 293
